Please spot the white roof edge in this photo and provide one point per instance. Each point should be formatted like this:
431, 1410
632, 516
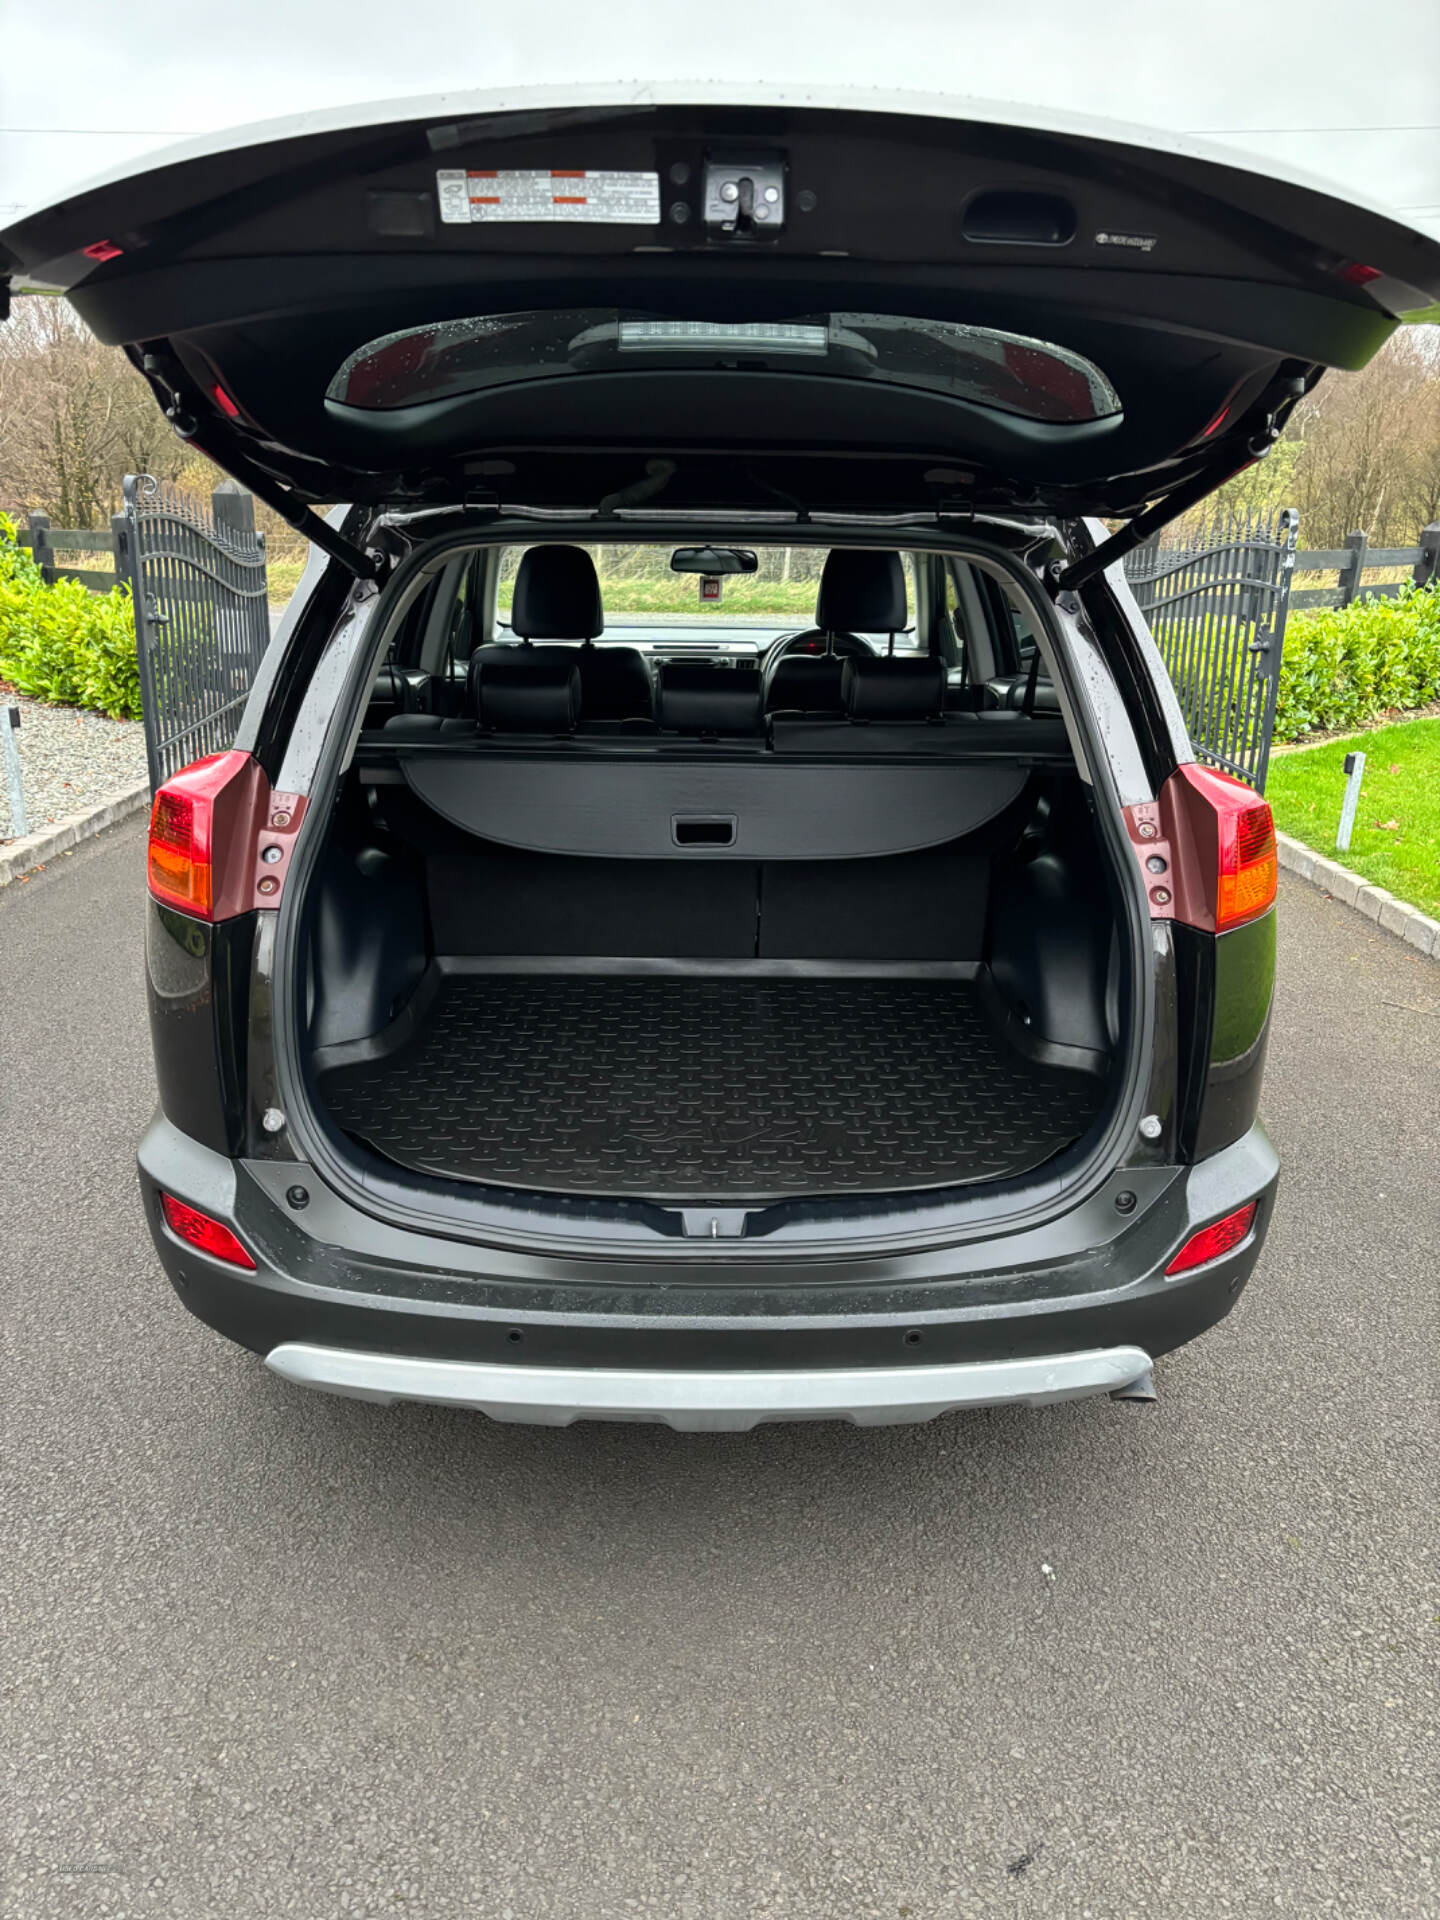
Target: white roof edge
469, 105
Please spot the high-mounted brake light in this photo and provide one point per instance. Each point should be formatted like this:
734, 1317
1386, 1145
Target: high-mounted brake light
197, 1229
183, 839
1221, 1236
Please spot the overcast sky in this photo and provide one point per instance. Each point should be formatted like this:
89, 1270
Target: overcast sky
1349, 92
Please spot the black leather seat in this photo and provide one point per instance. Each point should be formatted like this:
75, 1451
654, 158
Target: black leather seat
525, 690
910, 688
860, 592
557, 597
1008, 693
391, 694
709, 701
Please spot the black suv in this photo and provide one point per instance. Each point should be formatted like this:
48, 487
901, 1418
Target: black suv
568, 1011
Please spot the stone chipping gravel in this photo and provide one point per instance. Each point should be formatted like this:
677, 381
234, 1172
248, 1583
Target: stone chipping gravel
69, 762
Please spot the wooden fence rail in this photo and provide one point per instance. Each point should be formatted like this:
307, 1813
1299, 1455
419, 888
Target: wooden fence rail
1349, 563
45, 541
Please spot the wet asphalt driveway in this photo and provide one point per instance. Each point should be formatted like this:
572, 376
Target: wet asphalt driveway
267, 1653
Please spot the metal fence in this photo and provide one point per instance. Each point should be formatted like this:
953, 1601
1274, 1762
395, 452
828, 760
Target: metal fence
1216, 599
202, 620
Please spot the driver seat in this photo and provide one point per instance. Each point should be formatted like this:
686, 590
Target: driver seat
861, 591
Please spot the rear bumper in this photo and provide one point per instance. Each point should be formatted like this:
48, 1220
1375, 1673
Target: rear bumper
342, 1301
700, 1402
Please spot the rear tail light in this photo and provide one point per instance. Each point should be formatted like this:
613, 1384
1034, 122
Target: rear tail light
1208, 849
1220, 1237
1249, 865
188, 833
198, 1230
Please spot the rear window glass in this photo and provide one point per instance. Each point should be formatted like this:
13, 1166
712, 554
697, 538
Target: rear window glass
1006, 371
643, 596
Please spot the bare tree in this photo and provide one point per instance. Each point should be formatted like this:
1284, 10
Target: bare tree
74, 417
1362, 452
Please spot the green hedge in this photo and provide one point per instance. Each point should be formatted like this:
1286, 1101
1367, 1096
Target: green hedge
1344, 666
62, 642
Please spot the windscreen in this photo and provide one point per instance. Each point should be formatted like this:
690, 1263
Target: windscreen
647, 602
1006, 371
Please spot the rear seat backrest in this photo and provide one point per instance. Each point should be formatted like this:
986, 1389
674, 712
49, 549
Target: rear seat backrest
694, 698
895, 689
390, 694
515, 690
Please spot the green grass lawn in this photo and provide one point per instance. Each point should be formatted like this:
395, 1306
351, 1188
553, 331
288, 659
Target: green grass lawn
1396, 843
282, 577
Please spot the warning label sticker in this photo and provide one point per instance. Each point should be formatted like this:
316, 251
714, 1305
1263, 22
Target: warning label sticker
620, 199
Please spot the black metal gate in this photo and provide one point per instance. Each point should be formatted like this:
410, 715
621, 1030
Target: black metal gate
202, 614
1216, 600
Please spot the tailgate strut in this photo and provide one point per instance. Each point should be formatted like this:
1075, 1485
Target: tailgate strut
1137, 531
364, 566
1282, 398
169, 385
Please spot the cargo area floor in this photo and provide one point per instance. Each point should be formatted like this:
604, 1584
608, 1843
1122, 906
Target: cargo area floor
704, 1088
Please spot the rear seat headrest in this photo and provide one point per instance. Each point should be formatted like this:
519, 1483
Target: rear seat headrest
513, 690
894, 689
861, 592
693, 698
557, 595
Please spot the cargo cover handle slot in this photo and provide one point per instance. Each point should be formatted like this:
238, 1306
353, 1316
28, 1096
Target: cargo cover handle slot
703, 829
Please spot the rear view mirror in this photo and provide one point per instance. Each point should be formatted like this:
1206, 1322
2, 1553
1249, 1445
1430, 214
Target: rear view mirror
714, 560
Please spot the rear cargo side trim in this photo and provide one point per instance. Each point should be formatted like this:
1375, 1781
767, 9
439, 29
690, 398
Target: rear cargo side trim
714, 1402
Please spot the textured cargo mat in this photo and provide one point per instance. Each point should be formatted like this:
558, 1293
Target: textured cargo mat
705, 1088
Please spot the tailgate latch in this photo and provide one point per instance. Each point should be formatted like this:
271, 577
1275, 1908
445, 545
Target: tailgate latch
745, 198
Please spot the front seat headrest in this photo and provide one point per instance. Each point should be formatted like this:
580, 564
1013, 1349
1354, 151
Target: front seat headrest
861, 592
906, 689
557, 595
514, 690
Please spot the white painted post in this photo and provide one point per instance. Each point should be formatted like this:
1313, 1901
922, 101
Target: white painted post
1354, 774
10, 754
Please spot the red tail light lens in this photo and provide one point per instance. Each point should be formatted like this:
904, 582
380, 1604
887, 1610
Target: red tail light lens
1221, 1236
1249, 865
181, 863
1246, 864
197, 1229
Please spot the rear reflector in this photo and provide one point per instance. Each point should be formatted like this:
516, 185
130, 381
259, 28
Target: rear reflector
1221, 1236
181, 864
199, 1230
